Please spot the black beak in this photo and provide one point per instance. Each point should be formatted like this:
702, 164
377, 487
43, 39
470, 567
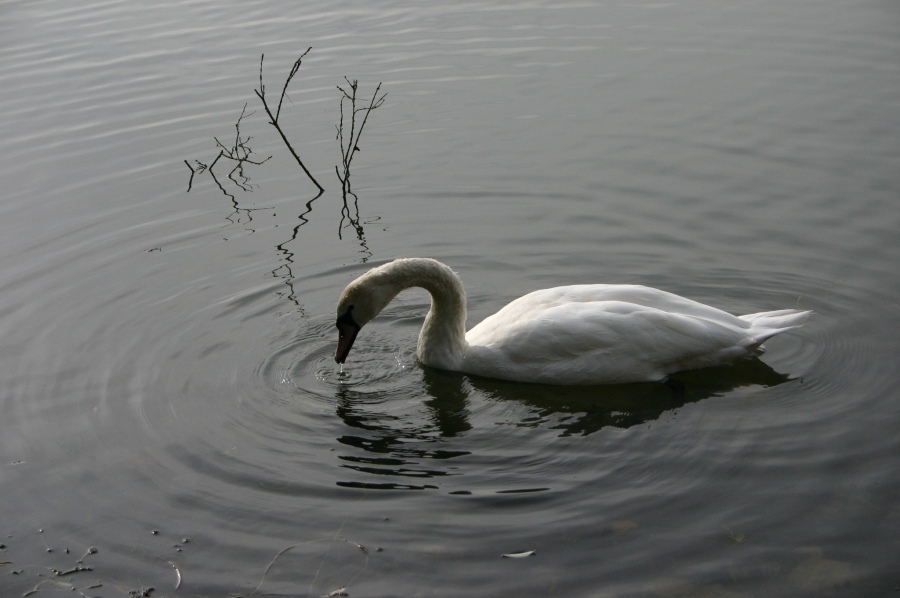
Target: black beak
347, 331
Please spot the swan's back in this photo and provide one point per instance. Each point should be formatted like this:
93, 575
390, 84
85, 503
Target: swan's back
586, 334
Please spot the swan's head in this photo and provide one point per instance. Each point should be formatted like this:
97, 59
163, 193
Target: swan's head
362, 300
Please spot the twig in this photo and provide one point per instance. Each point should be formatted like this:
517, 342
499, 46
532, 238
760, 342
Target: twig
191, 180
221, 153
240, 153
350, 145
75, 569
287, 81
273, 118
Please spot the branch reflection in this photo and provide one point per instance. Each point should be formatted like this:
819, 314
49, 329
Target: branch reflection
353, 220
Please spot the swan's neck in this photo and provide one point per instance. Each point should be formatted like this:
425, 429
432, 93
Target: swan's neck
442, 341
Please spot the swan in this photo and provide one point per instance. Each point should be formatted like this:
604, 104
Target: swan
569, 335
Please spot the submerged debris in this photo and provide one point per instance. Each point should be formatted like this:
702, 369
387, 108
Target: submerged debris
619, 527
819, 573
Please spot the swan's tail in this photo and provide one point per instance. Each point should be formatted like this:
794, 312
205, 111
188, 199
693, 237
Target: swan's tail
767, 324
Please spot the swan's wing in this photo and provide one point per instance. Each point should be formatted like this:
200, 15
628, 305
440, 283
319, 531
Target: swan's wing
536, 305
532, 304
549, 336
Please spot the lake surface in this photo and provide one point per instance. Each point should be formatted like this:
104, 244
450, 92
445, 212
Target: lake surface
172, 417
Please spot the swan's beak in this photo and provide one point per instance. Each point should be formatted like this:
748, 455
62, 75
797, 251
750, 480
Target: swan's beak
347, 331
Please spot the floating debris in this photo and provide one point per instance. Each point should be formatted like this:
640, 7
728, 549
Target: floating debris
76, 569
177, 574
737, 537
519, 555
91, 550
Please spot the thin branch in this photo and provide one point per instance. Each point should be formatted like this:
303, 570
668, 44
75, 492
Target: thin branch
376, 102
193, 172
287, 81
221, 153
240, 152
273, 118
350, 144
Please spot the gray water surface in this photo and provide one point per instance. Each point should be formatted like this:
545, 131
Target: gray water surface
172, 417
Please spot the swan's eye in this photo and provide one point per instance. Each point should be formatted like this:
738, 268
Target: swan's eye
347, 318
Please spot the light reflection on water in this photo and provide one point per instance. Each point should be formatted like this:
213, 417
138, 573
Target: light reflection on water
168, 355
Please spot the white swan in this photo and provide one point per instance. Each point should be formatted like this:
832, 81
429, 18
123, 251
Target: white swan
582, 334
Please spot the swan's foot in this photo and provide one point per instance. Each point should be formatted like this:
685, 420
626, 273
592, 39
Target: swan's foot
677, 387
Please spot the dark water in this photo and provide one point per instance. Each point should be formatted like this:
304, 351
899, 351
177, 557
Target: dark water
169, 398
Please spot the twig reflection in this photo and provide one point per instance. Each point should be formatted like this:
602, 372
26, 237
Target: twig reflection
286, 273
353, 220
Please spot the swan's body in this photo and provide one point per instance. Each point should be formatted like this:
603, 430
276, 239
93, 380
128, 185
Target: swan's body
581, 334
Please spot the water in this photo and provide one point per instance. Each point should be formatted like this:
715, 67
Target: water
169, 393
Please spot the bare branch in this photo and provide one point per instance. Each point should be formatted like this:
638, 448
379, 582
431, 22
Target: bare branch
287, 81
240, 153
193, 172
262, 88
221, 153
350, 144
375, 103
273, 118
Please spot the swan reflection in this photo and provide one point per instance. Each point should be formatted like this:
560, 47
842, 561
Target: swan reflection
586, 410
405, 450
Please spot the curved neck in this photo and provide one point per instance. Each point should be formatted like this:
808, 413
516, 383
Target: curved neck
442, 341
